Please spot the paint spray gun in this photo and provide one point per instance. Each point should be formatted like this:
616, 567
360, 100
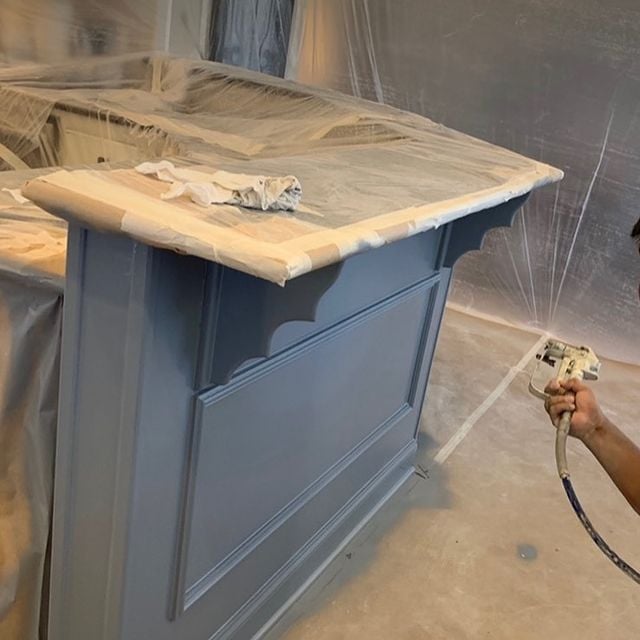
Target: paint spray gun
574, 363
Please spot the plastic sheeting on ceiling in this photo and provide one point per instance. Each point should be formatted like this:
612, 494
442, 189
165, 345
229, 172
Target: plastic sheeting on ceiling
558, 81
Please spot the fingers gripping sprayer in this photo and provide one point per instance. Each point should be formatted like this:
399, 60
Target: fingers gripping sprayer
572, 362
575, 363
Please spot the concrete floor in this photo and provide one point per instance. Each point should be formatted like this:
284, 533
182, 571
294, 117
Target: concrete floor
444, 558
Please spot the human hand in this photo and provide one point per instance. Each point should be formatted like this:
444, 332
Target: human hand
573, 395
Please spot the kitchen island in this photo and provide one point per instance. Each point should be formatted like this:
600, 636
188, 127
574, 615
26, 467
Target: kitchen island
240, 390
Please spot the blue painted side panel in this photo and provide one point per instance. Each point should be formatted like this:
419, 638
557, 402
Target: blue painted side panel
274, 436
245, 430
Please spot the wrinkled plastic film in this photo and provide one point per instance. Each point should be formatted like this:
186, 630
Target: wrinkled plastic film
370, 174
30, 318
554, 82
32, 261
51, 31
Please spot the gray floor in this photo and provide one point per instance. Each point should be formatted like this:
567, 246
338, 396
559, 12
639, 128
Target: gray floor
444, 559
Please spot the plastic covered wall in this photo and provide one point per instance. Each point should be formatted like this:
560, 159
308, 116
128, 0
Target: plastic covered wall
51, 31
556, 80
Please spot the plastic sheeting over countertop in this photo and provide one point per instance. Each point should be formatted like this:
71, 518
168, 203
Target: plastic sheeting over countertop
370, 174
33, 243
32, 260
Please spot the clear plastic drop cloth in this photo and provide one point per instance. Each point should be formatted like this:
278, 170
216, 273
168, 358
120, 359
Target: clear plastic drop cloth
556, 81
32, 254
370, 174
30, 320
52, 31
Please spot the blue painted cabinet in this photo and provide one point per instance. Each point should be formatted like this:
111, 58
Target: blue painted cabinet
220, 437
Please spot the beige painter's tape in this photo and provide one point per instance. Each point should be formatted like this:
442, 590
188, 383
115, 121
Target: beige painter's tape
159, 223
136, 211
404, 223
67, 203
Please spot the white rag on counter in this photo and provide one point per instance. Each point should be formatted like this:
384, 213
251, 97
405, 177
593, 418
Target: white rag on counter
222, 187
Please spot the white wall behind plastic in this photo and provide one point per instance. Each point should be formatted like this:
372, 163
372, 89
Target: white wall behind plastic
52, 31
186, 33
557, 80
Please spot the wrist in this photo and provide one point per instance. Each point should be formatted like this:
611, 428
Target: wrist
600, 430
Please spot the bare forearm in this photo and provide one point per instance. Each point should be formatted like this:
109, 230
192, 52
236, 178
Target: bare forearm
619, 457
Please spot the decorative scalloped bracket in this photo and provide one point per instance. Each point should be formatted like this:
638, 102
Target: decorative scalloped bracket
468, 233
254, 310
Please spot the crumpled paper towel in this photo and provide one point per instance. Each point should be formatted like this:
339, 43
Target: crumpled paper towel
222, 187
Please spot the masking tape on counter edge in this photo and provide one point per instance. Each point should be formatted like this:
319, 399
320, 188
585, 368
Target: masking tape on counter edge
281, 261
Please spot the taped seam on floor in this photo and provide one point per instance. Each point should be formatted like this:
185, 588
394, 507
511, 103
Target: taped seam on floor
469, 423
